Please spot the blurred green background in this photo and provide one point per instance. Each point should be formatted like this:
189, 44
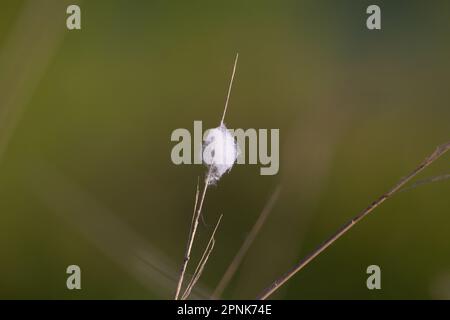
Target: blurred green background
86, 116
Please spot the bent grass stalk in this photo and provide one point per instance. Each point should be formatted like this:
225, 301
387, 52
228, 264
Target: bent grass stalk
198, 212
427, 181
201, 265
438, 152
237, 260
192, 233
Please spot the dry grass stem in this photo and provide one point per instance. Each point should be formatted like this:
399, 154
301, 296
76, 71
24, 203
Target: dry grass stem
192, 233
201, 265
229, 88
187, 254
237, 260
198, 211
285, 277
427, 181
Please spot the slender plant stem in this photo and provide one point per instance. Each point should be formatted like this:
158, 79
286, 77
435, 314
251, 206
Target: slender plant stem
237, 260
201, 265
229, 89
285, 277
192, 234
427, 181
197, 214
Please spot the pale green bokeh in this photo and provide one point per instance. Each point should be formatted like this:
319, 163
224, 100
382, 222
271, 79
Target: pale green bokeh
356, 109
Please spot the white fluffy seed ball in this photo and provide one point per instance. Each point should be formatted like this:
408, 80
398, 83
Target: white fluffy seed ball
220, 152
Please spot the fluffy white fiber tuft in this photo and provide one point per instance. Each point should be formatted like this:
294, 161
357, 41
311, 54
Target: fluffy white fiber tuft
220, 152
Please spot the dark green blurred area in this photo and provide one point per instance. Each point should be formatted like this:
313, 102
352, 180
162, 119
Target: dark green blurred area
86, 116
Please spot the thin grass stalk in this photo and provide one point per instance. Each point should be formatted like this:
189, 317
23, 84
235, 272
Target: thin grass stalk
439, 151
